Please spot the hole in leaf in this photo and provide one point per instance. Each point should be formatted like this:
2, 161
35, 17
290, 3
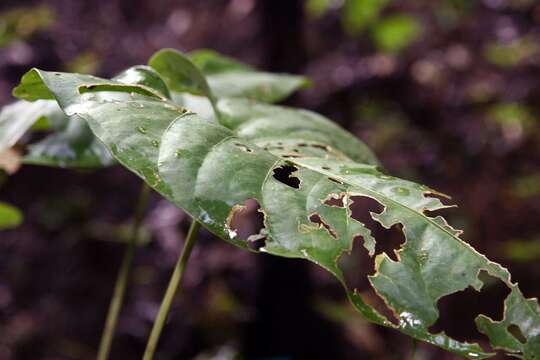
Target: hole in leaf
319, 146
325, 168
388, 240
283, 175
335, 200
356, 267
336, 181
516, 332
466, 305
391, 241
316, 219
246, 222
243, 147
362, 206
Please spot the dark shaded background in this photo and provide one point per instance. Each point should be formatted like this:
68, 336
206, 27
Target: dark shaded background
455, 107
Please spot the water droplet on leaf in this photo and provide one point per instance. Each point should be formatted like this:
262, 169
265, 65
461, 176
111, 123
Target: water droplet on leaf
142, 130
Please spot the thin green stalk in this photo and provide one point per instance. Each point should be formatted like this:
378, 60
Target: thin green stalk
172, 289
123, 277
412, 355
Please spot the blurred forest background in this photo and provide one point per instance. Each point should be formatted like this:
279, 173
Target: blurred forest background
446, 92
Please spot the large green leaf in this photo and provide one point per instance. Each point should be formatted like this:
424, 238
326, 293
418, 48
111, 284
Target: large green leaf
10, 216
72, 144
296, 175
225, 77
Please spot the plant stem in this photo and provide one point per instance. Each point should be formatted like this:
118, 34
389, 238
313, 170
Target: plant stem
412, 355
123, 277
174, 286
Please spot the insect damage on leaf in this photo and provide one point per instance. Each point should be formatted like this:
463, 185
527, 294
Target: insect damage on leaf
316, 219
285, 175
306, 174
244, 147
247, 222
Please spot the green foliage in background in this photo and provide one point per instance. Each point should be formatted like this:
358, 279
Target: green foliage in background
395, 33
10, 216
389, 33
358, 15
513, 53
21, 23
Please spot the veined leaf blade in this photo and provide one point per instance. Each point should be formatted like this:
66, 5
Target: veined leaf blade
210, 171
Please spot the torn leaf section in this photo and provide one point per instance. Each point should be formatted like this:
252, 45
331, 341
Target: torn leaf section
319, 223
521, 314
412, 285
246, 222
310, 228
362, 209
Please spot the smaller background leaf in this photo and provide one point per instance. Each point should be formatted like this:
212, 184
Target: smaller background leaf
395, 33
17, 118
10, 216
360, 14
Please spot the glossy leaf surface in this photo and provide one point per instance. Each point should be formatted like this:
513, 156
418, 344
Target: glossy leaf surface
72, 143
225, 77
305, 173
